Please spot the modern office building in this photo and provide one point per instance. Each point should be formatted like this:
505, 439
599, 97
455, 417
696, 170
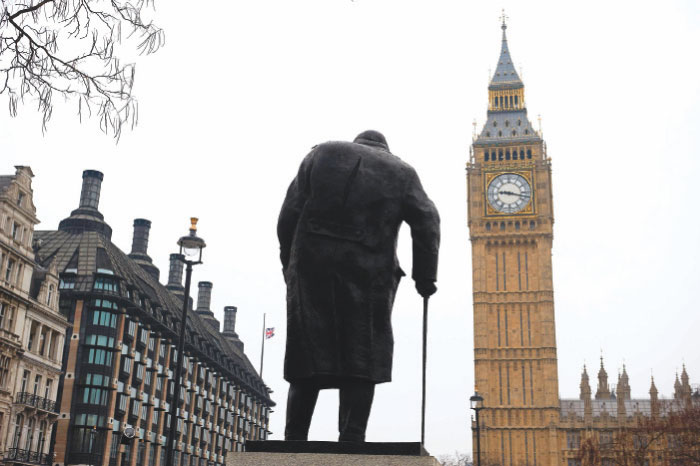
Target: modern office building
121, 352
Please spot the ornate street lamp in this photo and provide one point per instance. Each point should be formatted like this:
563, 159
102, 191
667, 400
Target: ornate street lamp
191, 247
477, 404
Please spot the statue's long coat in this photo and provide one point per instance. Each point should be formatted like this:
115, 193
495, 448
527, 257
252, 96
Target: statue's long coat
338, 229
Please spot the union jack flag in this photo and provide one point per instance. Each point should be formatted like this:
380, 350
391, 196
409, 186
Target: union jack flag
269, 332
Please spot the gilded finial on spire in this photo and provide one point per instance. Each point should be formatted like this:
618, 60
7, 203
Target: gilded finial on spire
503, 19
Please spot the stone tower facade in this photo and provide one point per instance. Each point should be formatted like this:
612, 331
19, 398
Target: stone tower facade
510, 222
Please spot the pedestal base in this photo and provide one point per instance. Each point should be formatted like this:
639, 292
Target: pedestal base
275, 453
325, 459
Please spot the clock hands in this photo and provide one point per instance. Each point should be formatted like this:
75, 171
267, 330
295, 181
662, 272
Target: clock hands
511, 193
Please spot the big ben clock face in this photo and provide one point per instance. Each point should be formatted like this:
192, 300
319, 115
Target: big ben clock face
509, 193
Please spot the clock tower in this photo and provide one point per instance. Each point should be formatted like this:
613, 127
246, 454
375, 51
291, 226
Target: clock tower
510, 224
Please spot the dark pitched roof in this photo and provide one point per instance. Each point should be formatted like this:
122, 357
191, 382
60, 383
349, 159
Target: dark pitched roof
89, 249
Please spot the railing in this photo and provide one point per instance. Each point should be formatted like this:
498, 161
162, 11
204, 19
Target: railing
26, 456
36, 401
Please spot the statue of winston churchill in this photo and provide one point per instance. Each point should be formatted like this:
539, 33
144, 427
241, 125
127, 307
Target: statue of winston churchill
338, 231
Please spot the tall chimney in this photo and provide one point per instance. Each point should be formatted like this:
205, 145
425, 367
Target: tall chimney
204, 297
90, 193
139, 247
230, 327
86, 217
175, 274
204, 305
230, 321
142, 228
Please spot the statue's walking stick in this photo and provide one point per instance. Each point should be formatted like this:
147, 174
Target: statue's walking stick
425, 358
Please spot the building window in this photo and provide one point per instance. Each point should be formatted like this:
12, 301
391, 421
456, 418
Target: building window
49, 296
106, 284
16, 230
48, 389
104, 318
8, 270
529, 152
4, 370
20, 198
67, 284
606, 439
573, 440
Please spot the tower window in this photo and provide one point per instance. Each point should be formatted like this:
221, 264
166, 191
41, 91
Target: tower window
517, 226
501, 101
527, 131
493, 155
532, 224
516, 103
522, 154
529, 152
508, 154
488, 134
511, 101
507, 123
503, 226
488, 226
500, 133
520, 122
500, 155
495, 101
495, 123
486, 156
514, 133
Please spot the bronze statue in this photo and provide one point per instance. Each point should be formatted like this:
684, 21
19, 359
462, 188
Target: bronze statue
338, 230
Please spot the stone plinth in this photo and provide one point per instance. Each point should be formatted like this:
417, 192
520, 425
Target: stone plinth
325, 459
264, 453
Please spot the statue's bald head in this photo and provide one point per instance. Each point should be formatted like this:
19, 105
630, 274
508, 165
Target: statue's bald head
372, 138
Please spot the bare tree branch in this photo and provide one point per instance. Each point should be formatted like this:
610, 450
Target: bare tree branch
72, 48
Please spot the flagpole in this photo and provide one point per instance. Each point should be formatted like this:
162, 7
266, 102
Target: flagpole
262, 351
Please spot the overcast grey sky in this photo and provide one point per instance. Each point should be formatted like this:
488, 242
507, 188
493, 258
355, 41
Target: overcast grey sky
243, 89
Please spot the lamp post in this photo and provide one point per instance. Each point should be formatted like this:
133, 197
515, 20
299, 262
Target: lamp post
191, 249
477, 404
93, 434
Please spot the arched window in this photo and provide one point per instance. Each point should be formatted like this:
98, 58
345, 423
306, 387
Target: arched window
507, 123
527, 131
511, 101
503, 226
501, 101
49, 296
529, 154
517, 226
500, 154
514, 133
508, 154
493, 155
495, 101
495, 123
532, 224
488, 134
486, 156
520, 122
500, 133
488, 226
516, 100
522, 154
